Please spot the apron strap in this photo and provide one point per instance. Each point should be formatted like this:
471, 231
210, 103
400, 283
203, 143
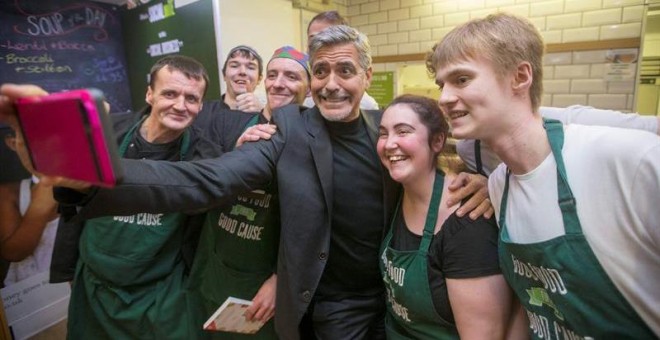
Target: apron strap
504, 201
566, 200
477, 157
129, 135
432, 215
185, 144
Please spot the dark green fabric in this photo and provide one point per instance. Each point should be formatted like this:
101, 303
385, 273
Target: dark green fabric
237, 253
129, 281
411, 313
560, 282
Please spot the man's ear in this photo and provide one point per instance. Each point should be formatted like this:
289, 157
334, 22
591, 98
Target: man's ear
522, 80
149, 96
368, 74
10, 140
438, 142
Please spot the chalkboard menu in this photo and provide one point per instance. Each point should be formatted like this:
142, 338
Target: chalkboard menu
159, 28
64, 44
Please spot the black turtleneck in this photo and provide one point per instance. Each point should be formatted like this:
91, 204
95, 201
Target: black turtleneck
357, 213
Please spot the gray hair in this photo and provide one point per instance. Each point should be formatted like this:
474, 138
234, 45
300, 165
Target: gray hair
339, 35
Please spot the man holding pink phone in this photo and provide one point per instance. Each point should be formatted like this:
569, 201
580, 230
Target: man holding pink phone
130, 276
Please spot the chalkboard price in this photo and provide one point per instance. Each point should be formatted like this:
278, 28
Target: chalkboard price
64, 45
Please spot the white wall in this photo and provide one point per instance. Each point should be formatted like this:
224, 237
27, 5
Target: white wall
399, 27
652, 36
264, 25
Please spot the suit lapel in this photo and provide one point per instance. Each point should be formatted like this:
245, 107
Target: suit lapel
321, 148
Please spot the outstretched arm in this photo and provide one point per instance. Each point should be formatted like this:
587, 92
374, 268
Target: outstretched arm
587, 115
150, 186
576, 114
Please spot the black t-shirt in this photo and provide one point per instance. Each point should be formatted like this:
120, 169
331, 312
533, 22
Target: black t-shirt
139, 148
463, 248
357, 214
221, 125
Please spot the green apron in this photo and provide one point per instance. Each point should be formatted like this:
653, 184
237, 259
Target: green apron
560, 282
129, 279
237, 253
411, 313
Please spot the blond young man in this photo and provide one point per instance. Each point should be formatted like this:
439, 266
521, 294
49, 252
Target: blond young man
576, 205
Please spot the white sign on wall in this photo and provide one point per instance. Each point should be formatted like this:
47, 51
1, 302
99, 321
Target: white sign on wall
622, 64
32, 305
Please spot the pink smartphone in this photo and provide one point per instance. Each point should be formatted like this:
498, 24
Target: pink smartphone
69, 134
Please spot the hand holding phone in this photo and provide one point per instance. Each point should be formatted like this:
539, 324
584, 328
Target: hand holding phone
68, 134
9, 93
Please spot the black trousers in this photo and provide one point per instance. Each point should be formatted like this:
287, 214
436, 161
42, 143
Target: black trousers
357, 317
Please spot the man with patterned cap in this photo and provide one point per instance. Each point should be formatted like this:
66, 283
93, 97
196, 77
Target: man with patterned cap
237, 254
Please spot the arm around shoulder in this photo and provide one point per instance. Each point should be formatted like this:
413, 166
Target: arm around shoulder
587, 115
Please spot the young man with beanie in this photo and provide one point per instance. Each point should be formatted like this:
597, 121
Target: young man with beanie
242, 72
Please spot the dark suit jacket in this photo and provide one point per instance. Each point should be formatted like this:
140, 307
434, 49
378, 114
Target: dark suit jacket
298, 156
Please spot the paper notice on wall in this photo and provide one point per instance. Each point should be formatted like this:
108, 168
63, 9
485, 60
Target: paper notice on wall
161, 11
382, 88
32, 305
171, 46
622, 64
155, 50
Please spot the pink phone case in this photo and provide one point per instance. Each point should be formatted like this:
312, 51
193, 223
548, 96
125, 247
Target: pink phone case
69, 134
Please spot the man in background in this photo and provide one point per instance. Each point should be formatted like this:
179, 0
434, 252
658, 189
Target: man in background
319, 23
131, 271
242, 72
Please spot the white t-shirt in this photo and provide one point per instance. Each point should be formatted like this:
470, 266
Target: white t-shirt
40, 259
575, 114
615, 177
